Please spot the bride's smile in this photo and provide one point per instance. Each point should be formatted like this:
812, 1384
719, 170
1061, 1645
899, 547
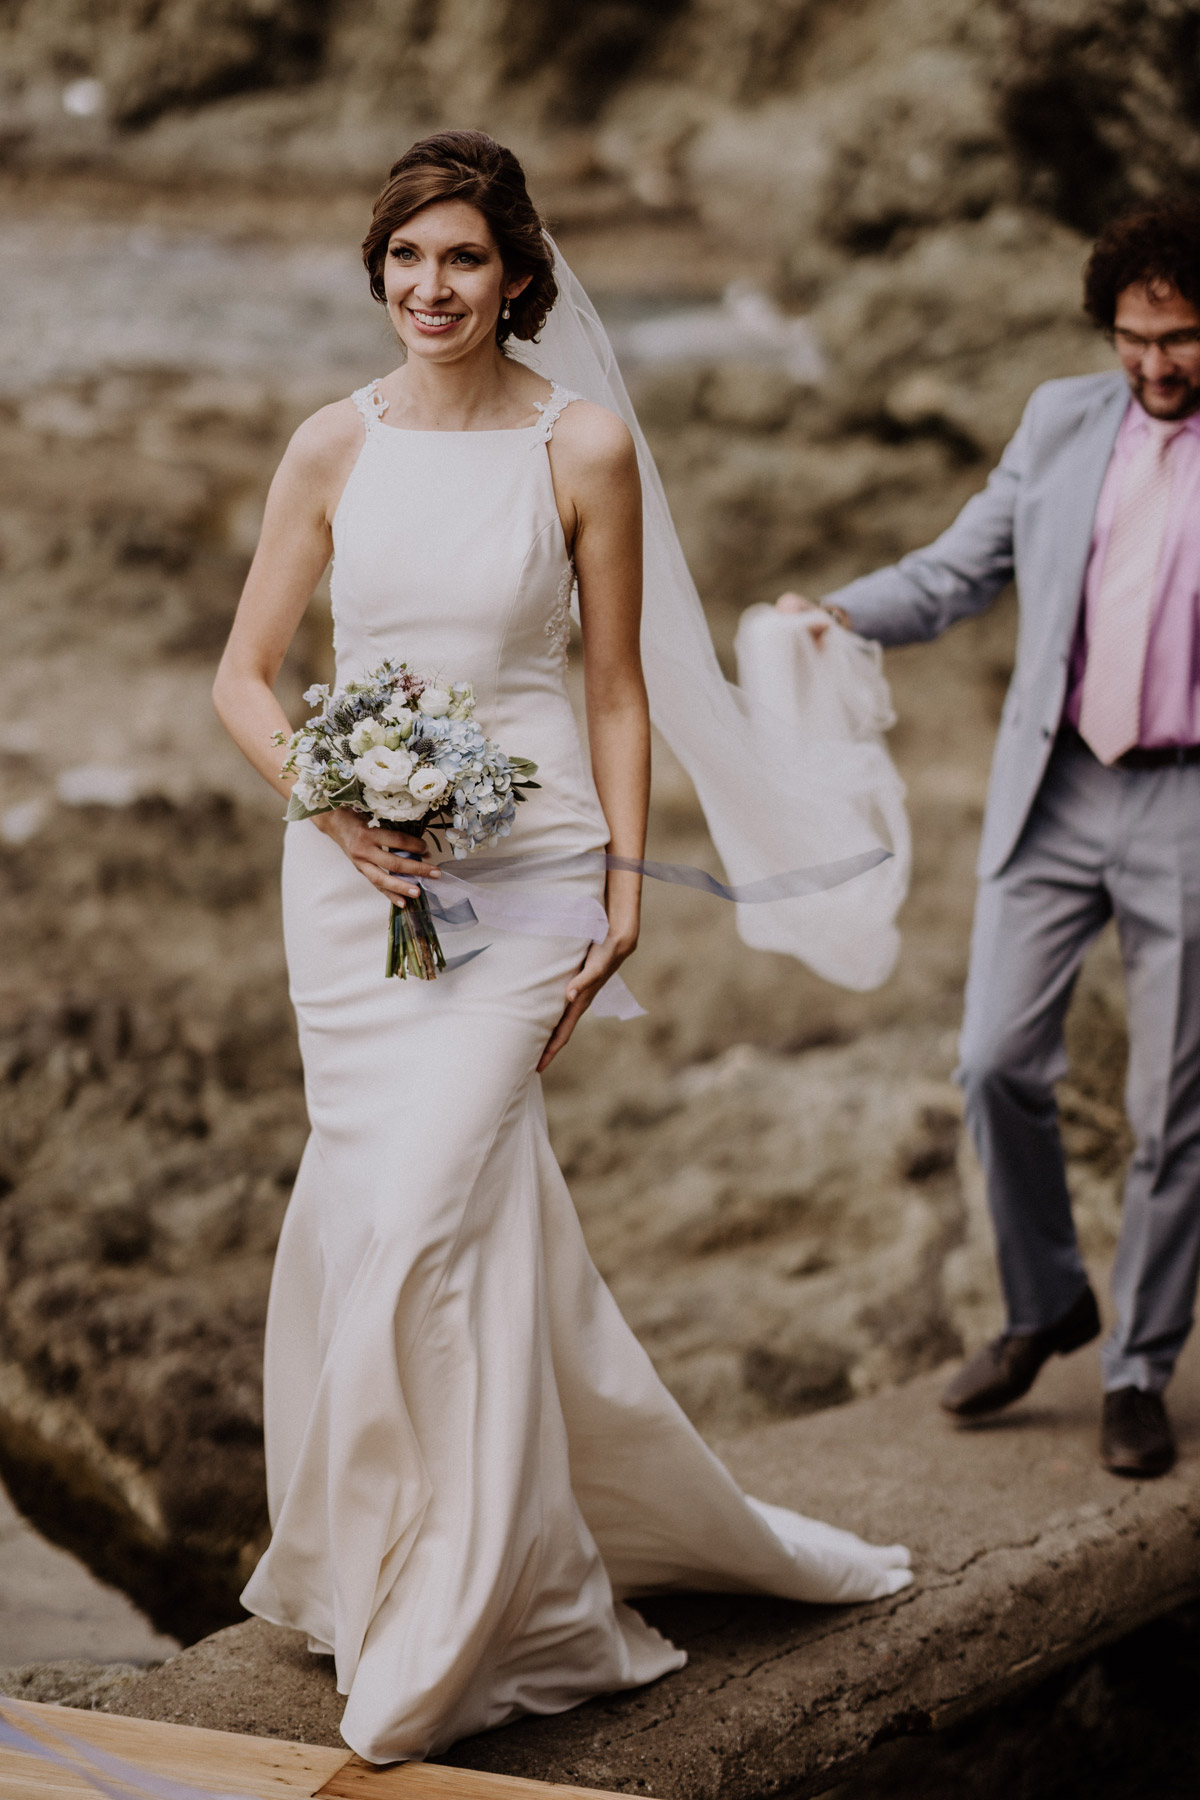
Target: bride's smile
430, 321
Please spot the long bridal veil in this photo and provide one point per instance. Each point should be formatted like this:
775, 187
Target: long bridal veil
789, 766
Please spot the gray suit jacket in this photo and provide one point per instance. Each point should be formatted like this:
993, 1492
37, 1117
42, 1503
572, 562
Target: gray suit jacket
1033, 520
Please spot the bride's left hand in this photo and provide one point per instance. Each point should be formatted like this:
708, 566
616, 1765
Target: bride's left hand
601, 961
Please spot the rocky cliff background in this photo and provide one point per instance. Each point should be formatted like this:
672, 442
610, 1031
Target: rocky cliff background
770, 1171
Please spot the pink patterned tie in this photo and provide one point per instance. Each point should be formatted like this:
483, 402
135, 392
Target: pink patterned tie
1110, 714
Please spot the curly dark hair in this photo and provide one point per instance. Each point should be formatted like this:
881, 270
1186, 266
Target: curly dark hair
1158, 244
470, 166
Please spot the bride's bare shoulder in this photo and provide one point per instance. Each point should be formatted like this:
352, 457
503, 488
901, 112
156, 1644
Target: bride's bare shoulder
593, 437
326, 437
317, 462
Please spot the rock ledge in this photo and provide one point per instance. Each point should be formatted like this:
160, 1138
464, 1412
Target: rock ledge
1028, 1557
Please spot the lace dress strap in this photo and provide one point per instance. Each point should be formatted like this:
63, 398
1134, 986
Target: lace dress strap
371, 404
552, 410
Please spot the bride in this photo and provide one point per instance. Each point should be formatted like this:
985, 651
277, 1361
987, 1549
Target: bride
472, 1465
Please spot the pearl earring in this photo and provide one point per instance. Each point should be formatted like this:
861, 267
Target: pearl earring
507, 313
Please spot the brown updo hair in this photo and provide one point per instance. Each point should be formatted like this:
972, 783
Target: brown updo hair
470, 166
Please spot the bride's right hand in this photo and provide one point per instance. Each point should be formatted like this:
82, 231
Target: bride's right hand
373, 851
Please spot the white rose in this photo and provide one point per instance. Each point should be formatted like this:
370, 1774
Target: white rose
464, 700
366, 733
399, 808
428, 785
435, 702
383, 770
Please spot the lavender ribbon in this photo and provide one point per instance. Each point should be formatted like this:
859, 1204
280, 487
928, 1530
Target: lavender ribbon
457, 902
109, 1775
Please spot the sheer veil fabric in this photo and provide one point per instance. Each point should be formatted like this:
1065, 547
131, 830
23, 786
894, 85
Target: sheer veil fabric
789, 767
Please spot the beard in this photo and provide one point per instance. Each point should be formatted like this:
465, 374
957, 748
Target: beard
1176, 398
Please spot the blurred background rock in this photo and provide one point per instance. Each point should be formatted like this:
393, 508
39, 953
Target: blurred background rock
838, 243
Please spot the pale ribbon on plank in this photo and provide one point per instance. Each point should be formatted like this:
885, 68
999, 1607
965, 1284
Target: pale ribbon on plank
109, 1775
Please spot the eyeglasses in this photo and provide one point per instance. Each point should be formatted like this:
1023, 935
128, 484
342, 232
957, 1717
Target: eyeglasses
1171, 343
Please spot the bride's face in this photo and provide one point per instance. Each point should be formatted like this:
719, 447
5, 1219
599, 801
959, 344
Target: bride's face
445, 282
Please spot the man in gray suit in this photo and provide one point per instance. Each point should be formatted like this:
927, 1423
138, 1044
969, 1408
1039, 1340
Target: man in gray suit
1093, 812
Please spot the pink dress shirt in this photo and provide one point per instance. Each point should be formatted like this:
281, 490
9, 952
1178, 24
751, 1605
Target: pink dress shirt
1171, 683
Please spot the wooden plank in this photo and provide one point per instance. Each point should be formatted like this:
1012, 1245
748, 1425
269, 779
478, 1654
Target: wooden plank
262, 1768
27, 1778
359, 1780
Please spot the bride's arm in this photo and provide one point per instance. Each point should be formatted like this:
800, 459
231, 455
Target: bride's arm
293, 549
600, 498
292, 552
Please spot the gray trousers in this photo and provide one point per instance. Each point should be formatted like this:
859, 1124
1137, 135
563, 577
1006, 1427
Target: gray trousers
1099, 843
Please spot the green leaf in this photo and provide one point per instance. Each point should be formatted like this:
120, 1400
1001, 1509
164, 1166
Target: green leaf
296, 811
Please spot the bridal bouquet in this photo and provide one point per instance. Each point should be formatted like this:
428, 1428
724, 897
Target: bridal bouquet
405, 750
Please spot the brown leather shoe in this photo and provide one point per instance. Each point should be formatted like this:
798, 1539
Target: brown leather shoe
1007, 1367
1135, 1438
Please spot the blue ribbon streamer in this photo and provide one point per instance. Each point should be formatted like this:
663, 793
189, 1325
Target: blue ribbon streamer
792, 884
576, 915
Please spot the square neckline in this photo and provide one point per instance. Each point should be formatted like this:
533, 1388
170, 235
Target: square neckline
372, 406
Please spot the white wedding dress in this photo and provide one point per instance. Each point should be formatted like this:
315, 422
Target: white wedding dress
472, 1464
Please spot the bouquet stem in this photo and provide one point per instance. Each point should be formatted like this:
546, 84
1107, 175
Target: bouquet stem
413, 947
